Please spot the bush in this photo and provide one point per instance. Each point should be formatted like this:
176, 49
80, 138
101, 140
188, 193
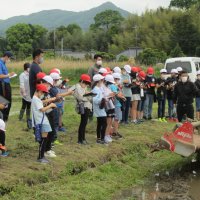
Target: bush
151, 56
123, 58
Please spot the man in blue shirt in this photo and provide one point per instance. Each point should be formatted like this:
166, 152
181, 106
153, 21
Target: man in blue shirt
5, 87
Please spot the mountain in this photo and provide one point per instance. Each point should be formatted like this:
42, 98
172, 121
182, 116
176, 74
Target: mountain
51, 19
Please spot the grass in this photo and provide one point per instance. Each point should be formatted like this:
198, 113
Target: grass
81, 172
90, 172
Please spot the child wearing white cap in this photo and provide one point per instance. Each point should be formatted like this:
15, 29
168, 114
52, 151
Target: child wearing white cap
99, 108
2, 139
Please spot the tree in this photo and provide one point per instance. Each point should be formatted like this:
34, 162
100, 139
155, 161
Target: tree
176, 52
185, 33
107, 19
23, 38
151, 56
183, 4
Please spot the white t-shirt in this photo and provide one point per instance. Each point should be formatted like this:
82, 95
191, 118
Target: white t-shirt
36, 105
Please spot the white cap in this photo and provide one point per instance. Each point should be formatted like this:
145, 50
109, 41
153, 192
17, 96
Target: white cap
163, 71
117, 70
198, 72
116, 75
2, 125
174, 71
48, 79
98, 77
127, 68
55, 76
59, 72
109, 78
103, 70
179, 69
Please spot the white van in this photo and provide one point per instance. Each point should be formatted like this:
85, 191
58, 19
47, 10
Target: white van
189, 64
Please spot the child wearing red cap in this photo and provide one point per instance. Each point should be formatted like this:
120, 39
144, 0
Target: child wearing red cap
39, 118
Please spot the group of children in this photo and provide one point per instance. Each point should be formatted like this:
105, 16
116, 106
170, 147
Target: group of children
112, 96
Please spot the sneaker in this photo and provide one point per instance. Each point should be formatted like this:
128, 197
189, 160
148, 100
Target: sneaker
53, 152
50, 154
135, 122
175, 120
43, 161
107, 139
62, 129
56, 142
170, 120
4, 154
85, 142
119, 135
160, 120
100, 141
164, 120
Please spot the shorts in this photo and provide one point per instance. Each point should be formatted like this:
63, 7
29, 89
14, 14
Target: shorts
198, 104
110, 113
46, 128
135, 97
118, 114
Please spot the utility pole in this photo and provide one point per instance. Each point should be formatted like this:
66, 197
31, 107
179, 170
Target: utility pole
54, 42
62, 41
136, 38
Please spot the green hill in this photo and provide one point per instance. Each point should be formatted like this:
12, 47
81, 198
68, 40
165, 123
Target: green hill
55, 18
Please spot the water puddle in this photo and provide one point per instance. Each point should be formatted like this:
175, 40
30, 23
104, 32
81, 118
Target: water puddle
182, 184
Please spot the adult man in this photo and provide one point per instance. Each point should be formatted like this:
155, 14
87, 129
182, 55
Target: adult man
35, 69
184, 93
5, 87
95, 68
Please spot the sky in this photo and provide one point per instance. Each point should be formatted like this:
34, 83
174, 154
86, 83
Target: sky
24, 7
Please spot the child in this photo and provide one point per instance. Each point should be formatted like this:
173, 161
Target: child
25, 92
2, 139
119, 100
140, 108
161, 95
150, 84
39, 117
197, 83
99, 108
84, 105
135, 88
126, 89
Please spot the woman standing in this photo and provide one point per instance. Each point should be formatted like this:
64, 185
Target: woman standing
25, 92
84, 105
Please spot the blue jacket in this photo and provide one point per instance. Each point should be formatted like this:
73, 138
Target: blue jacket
4, 71
96, 102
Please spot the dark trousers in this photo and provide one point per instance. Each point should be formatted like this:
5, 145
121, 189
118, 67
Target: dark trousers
25, 105
185, 110
126, 110
6, 92
161, 108
2, 138
52, 134
42, 148
101, 127
83, 124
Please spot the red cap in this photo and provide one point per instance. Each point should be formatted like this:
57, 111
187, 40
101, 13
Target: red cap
41, 75
142, 75
54, 71
42, 87
150, 70
139, 68
85, 77
134, 69
108, 70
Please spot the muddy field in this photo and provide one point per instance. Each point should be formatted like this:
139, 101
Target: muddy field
177, 184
